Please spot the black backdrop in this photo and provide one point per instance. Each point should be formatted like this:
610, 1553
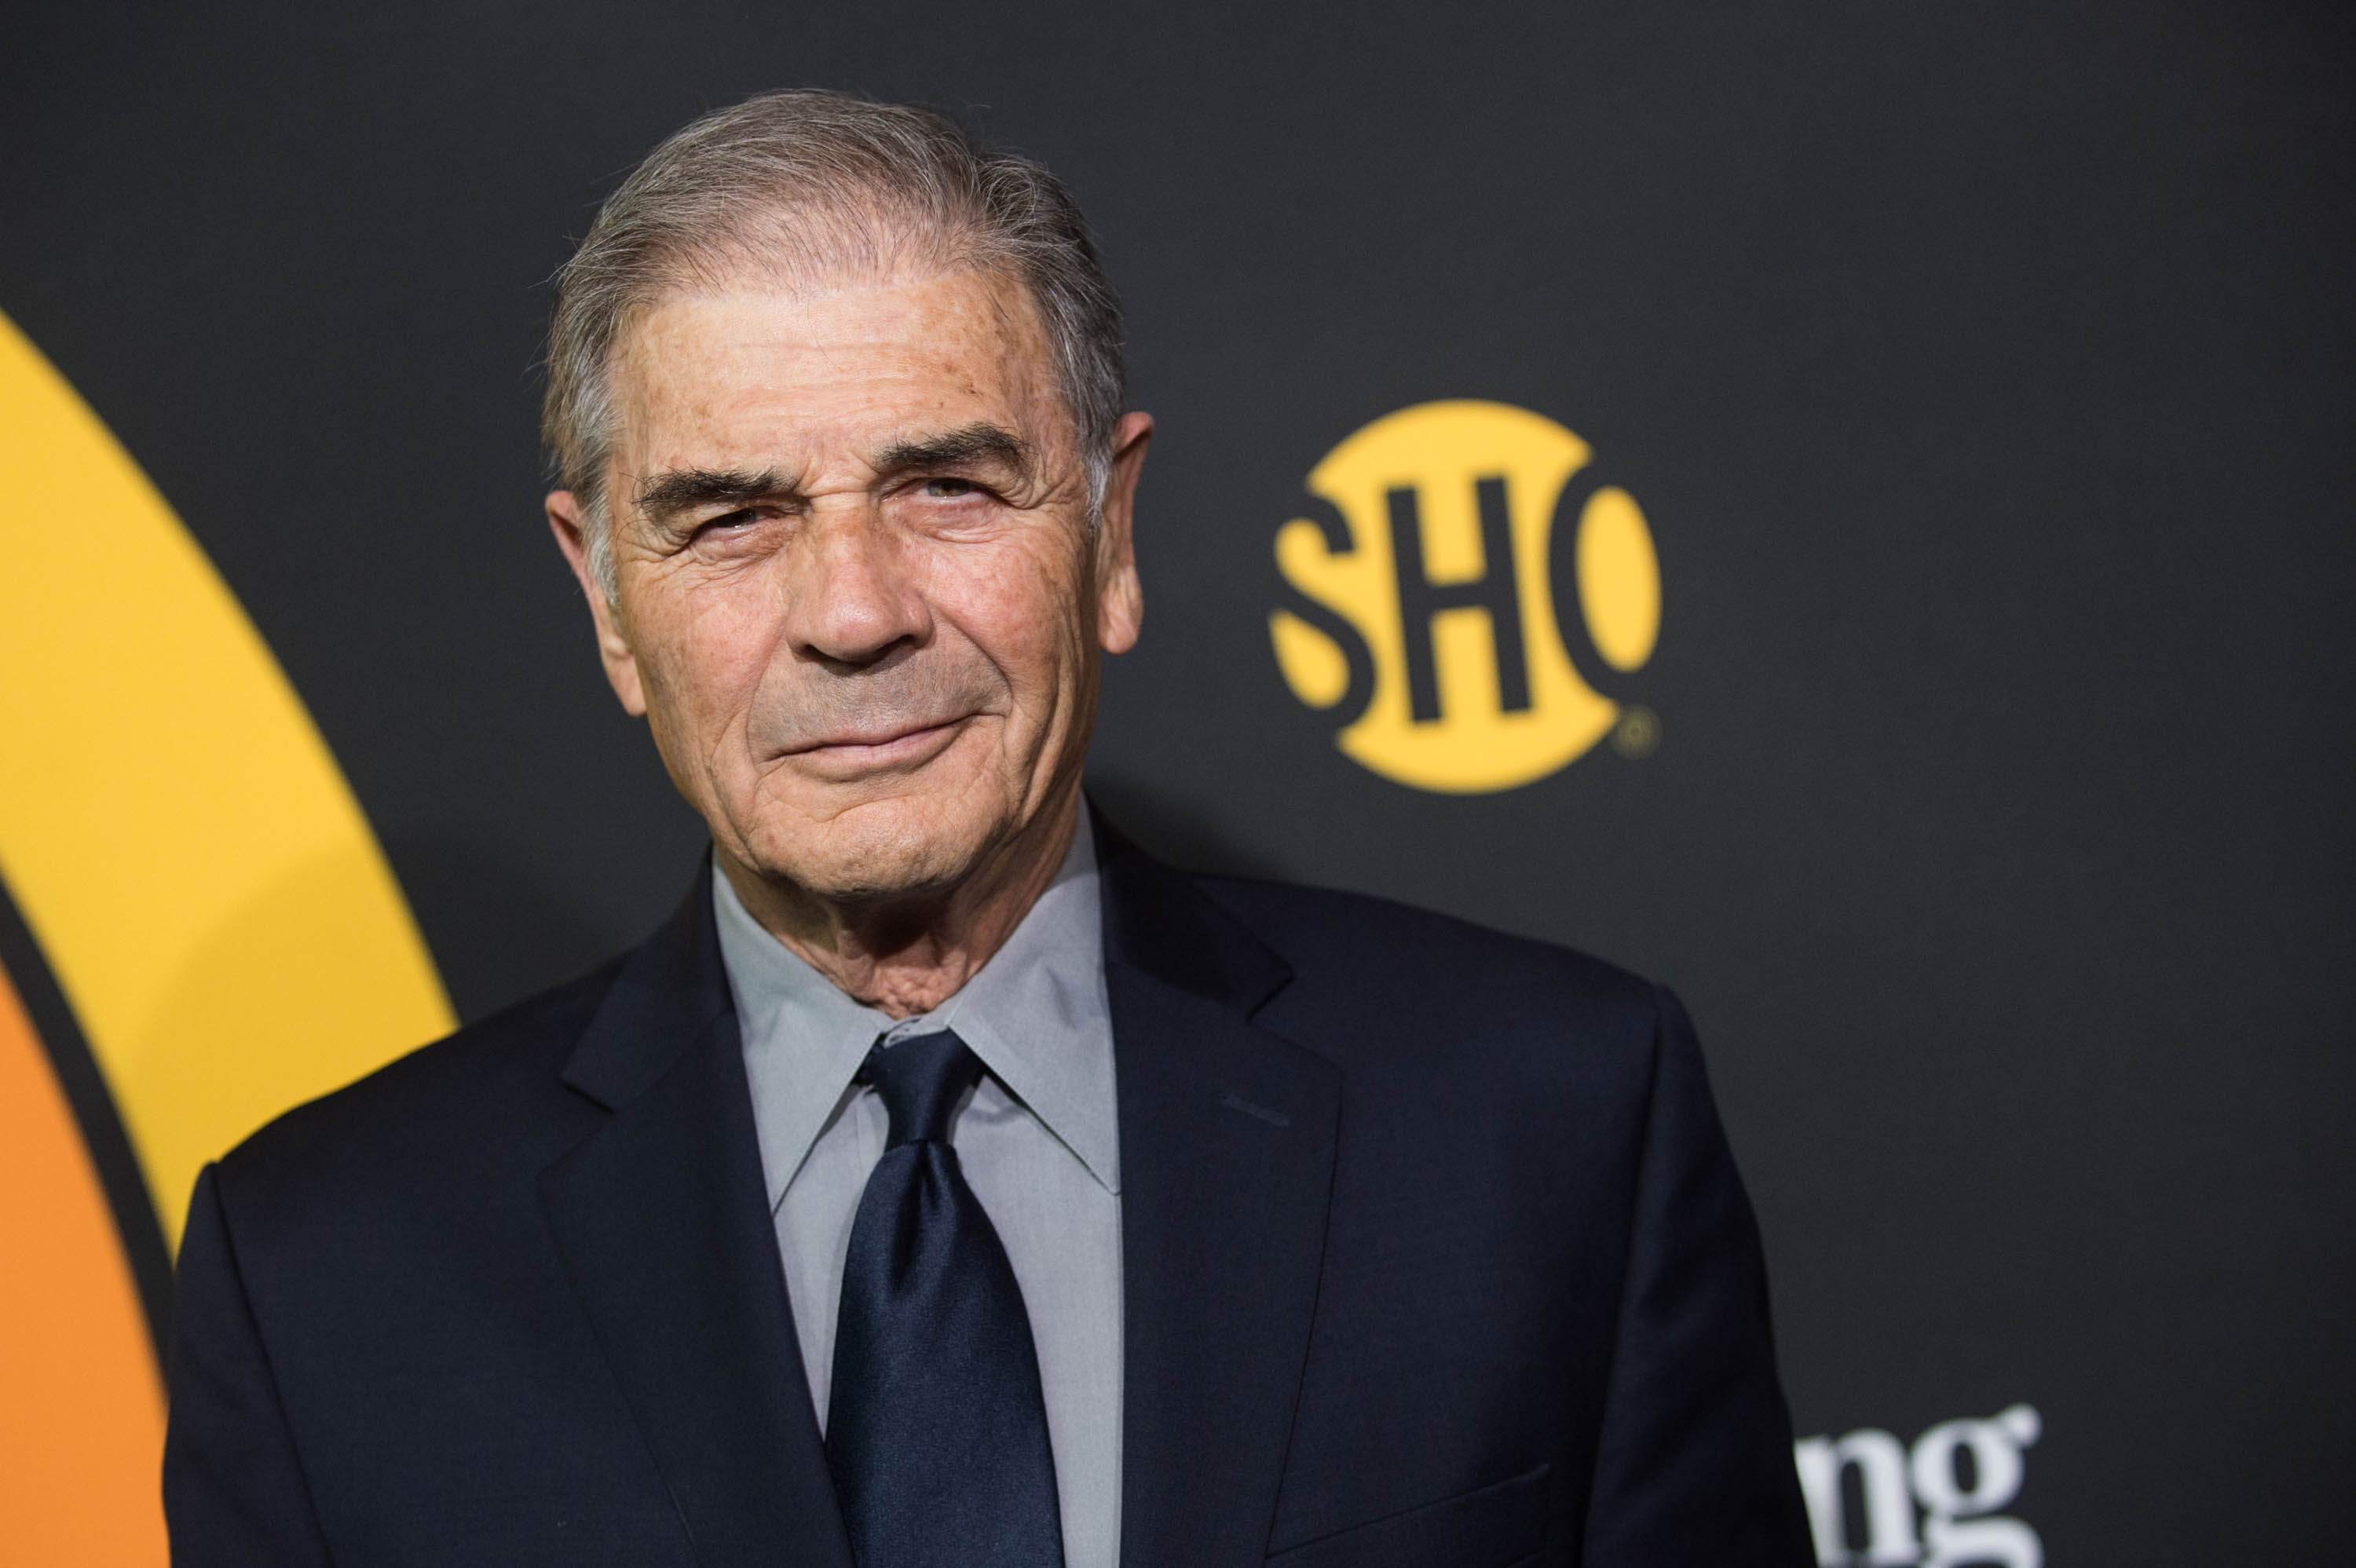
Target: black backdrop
1984, 370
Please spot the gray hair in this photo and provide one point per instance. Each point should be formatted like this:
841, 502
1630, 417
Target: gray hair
793, 186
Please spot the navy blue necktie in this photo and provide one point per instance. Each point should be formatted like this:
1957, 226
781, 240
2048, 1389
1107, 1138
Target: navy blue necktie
934, 1427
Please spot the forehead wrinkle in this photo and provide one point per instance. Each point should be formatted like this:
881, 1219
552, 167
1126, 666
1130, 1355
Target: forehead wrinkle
668, 360
726, 265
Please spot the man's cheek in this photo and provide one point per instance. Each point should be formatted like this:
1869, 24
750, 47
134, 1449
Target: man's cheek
1030, 609
716, 651
686, 702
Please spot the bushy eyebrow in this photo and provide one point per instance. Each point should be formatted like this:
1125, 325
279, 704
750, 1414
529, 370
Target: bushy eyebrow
664, 495
951, 448
687, 489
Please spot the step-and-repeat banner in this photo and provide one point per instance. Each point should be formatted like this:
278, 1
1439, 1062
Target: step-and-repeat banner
1847, 513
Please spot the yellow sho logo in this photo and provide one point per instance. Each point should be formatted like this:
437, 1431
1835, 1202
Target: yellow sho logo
1425, 609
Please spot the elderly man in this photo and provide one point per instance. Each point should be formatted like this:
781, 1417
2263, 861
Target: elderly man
947, 1182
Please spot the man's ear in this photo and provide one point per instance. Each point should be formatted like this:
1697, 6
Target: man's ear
1120, 597
566, 521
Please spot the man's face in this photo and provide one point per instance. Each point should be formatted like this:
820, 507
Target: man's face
857, 594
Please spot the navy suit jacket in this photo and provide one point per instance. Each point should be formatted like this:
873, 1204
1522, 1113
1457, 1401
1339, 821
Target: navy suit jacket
1434, 1257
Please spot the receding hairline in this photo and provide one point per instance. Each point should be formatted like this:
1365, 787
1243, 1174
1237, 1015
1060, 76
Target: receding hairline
728, 265
795, 235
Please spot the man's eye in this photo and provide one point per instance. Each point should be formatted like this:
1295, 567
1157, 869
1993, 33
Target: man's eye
947, 490
735, 519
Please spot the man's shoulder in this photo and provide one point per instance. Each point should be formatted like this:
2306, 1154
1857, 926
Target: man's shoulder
487, 1099
1371, 979
1324, 934
1442, 1025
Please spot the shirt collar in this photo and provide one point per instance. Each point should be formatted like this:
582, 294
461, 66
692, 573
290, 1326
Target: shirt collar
1035, 1014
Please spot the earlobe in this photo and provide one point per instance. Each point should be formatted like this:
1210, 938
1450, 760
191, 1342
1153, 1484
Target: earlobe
1120, 611
614, 650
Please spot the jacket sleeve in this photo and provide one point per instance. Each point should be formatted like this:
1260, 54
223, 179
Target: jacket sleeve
1694, 1465
233, 1487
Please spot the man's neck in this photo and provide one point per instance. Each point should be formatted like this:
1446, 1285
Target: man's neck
907, 956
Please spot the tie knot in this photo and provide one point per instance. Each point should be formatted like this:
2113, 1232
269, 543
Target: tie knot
921, 1079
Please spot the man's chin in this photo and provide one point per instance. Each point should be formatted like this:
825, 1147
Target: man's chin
877, 850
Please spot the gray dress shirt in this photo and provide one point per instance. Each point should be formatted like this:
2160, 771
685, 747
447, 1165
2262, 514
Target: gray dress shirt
1038, 1141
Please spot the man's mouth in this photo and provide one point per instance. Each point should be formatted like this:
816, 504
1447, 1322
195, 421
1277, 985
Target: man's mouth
850, 753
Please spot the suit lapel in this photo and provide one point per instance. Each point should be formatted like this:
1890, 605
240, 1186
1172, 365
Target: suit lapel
662, 1223
1227, 1155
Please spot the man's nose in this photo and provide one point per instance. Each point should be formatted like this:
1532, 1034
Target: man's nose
849, 597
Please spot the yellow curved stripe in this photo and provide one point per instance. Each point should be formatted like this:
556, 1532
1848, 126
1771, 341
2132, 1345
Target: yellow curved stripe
171, 825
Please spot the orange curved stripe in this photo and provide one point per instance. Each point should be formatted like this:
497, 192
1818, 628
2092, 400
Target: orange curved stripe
82, 1416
